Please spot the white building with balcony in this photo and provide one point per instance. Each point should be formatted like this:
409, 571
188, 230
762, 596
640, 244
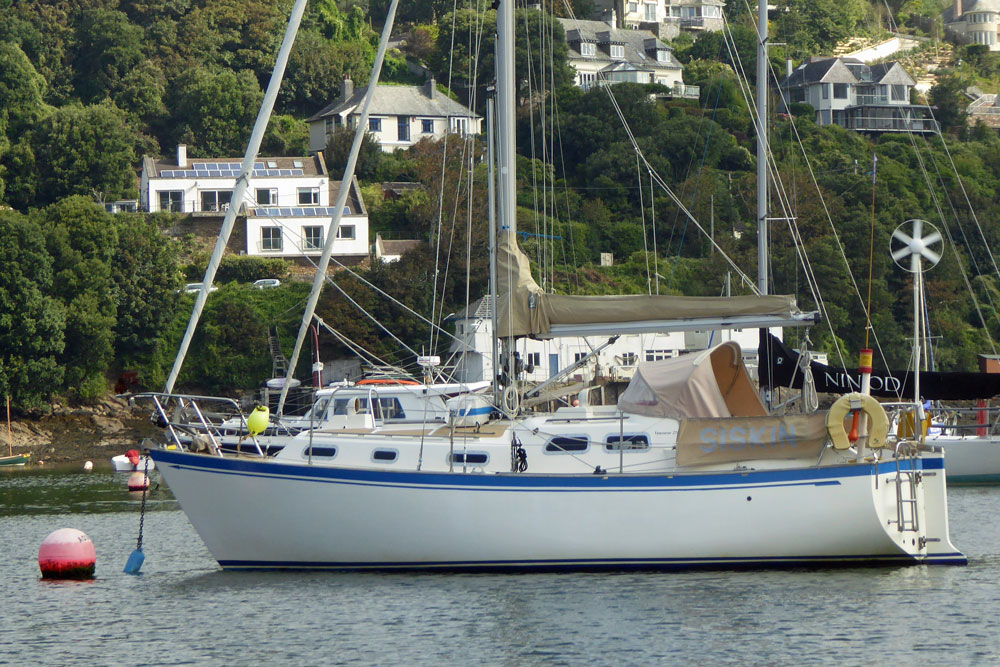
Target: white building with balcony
399, 116
287, 209
857, 96
975, 23
601, 54
664, 18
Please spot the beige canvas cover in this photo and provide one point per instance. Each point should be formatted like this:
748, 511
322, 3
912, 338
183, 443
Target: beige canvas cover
703, 441
523, 309
712, 383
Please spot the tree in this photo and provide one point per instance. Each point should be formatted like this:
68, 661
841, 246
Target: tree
286, 136
215, 110
82, 241
82, 150
948, 96
338, 149
106, 47
31, 321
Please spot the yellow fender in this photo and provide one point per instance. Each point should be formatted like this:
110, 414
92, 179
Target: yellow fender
257, 421
878, 421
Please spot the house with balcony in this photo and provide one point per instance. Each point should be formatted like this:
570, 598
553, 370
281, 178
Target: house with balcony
286, 212
974, 22
857, 96
399, 116
664, 18
601, 54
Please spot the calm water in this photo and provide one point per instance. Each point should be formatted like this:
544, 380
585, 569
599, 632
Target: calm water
183, 610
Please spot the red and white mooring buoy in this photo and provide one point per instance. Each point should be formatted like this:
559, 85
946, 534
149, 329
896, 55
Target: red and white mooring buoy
67, 554
138, 481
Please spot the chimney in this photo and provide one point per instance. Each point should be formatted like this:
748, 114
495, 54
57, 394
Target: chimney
958, 10
429, 87
182, 155
346, 88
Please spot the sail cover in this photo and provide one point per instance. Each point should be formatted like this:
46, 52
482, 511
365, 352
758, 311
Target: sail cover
779, 367
712, 383
523, 309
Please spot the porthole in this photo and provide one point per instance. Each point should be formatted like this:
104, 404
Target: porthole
320, 452
628, 442
470, 458
385, 455
568, 444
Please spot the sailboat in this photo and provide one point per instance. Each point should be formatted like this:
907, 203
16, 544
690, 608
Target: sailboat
688, 469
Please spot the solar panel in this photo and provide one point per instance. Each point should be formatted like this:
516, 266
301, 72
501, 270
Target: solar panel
271, 164
286, 212
297, 163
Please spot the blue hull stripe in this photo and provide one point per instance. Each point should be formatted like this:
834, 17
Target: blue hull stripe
829, 475
946, 558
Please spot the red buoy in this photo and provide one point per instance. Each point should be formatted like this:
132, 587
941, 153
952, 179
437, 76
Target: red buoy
67, 554
138, 481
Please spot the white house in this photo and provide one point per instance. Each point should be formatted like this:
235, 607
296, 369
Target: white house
544, 359
664, 18
852, 94
287, 208
399, 116
602, 54
975, 23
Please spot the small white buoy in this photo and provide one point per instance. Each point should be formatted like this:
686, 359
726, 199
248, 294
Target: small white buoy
137, 481
67, 554
88, 466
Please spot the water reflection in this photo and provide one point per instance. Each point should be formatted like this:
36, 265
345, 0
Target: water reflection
52, 490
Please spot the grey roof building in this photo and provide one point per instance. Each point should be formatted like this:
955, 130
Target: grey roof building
399, 115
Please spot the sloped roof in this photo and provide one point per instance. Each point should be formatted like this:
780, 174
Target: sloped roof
828, 70
311, 166
891, 73
635, 43
397, 100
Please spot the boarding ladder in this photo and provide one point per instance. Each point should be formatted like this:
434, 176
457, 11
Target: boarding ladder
907, 512
279, 365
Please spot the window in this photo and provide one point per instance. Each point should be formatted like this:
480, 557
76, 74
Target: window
562, 444
403, 128
309, 196
459, 328
840, 91
577, 356
312, 238
658, 355
267, 196
650, 11
270, 238
626, 442
898, 93
345, 232
825, 88
385, 455
662, 55
633, 7
617, 51
172, 200
215, 200
629, 359
375, 124
461, 125
320, 452
338, 121
427, 126
470, 458
588, 49
535, 359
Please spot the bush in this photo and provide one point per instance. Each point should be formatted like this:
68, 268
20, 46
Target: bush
241, 268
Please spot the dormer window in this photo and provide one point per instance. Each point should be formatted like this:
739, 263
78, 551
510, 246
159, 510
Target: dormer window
663, 56
617, 51
588, 49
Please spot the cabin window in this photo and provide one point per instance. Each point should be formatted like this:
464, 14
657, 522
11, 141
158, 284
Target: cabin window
571, 443
385, 455
320, 452
318, 410
470, 458
629, 442
312, 237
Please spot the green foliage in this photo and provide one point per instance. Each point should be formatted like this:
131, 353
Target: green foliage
214, 110
948, 96
286, 136
247, 268
338, 150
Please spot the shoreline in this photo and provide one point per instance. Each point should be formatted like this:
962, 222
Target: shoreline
74, 435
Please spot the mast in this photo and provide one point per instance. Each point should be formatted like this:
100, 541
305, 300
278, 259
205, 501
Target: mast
239, 191
506, 156
763, 352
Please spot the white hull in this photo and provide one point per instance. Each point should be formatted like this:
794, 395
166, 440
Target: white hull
122, 464
971, 459
254, 513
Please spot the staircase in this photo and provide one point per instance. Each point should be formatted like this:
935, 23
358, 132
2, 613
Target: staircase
279, 365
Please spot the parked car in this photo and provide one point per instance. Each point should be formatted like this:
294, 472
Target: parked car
194, 288
267, 283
